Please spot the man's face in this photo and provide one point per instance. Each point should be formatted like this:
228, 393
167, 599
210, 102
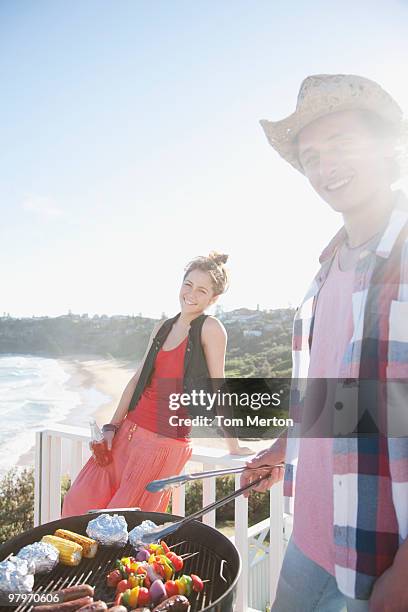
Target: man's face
344, 160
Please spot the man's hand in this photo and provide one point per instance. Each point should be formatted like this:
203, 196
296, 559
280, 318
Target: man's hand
270, 457
390, 592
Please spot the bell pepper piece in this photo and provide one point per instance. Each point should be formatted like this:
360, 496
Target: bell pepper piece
126, 598
134, 596
181, 586
188, 584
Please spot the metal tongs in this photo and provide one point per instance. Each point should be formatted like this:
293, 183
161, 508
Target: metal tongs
162, 531
176, 481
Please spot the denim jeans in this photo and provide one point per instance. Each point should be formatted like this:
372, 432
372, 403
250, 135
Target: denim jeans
304, 586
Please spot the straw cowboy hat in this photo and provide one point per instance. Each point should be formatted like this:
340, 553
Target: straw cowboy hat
322, 94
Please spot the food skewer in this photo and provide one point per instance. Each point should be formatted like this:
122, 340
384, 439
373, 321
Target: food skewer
189, 555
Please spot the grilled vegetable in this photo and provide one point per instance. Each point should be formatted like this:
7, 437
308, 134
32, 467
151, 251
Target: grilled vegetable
144, 598
89, 547
171, 588
66, 606
198, 584
176, 561
157, 591
143, 555
113, 578
70, 552
177, 603
164, 546
122, 586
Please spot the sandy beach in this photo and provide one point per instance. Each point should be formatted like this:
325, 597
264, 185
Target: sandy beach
109, 377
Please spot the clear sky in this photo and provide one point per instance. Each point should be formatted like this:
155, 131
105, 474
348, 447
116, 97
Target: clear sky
130, 143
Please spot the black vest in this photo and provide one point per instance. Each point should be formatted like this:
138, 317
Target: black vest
196, 373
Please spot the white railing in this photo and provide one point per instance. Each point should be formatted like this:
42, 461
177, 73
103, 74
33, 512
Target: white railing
64, 449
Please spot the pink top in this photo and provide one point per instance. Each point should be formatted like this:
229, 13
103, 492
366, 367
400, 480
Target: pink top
333, 328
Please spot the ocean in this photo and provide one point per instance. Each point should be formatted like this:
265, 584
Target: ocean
34, 394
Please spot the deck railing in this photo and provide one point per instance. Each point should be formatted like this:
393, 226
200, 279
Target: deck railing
64, 449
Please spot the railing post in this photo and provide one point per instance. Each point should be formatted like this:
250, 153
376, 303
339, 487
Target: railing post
37, 479
241, 542
44, 514
76, 459
276, 536
55, 478
178, 500
209, 490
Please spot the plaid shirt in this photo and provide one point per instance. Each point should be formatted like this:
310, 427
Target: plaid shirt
370, 474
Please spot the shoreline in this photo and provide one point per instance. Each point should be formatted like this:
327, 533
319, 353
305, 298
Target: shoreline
90, 375
95, 379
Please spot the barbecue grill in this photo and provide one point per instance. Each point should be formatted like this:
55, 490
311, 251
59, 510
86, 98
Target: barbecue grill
218, 560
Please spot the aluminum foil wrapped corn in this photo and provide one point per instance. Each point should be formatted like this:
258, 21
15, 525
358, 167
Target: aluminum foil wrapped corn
16, 575
135, 536
44, 556
108, 530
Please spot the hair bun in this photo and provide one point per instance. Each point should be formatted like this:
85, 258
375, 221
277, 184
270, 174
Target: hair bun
218, 258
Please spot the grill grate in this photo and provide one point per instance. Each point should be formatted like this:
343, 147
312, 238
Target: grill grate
208, 564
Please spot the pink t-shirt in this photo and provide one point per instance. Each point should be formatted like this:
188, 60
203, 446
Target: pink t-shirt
333, 328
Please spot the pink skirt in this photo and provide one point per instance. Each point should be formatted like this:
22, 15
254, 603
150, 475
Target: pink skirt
136, 461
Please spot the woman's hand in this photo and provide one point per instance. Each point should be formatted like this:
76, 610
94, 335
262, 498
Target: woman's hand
235, 449
242, 450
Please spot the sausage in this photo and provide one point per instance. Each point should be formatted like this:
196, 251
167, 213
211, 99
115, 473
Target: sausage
176, 603
137, 610
96, 606
66, 606
124, 609
76, 592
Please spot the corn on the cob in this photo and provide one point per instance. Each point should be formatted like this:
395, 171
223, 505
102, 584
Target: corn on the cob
70, 552
89, 546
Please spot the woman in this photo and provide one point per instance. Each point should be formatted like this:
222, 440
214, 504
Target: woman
186, 348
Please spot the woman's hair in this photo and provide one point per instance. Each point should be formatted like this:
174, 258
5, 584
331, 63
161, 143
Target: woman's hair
214, 265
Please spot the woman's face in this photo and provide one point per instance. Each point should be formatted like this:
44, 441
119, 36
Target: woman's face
196, 293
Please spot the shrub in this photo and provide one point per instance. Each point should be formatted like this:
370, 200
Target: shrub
16, 503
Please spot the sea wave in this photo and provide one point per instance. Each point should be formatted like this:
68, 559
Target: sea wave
34, 395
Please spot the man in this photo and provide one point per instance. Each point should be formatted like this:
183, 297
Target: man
348, 548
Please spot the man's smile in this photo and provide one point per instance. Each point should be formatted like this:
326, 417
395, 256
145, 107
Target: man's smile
338, 183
